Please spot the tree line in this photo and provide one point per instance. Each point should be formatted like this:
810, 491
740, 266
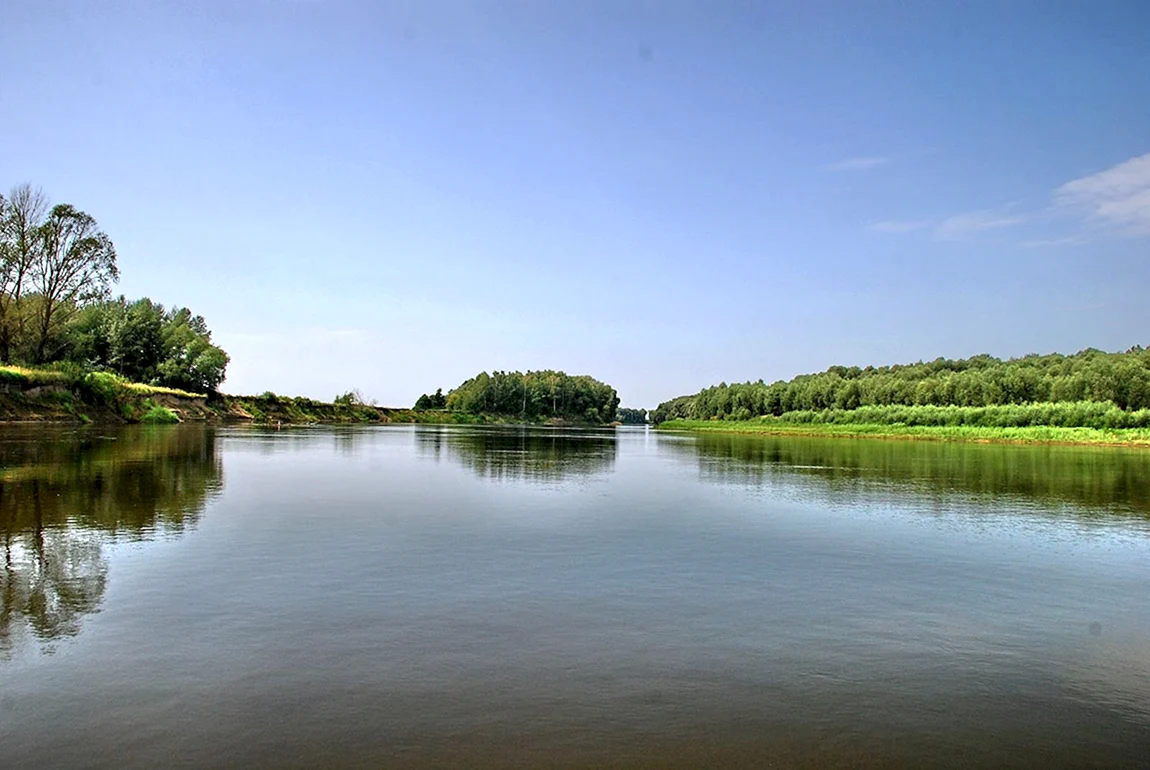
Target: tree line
57, 268
435, 401
1120, 379
538, 395
629, 416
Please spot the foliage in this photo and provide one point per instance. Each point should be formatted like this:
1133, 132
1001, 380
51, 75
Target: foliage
148, 344
12, 376
25, 377
100, 388
1027, 434
1079, 414
1120, 379
536, 395
137, 387
350, 398
21, 215
631, 416
73, 264
159, 414
56, 267
192, 362
435, 401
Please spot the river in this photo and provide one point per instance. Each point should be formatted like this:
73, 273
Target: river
429, 596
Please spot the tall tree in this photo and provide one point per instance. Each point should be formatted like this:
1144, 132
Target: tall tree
193, 362
74, 264
137, 340
21, 217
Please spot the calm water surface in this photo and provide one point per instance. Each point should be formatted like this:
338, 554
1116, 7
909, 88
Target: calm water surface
474, 597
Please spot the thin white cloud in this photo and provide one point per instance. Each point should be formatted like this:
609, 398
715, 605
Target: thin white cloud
1115, 201
1118, 197
899, 227
972, 223
1042, 243
856, 164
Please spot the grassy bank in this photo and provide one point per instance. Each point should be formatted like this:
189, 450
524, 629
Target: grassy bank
272, 409
72, 395
1032, 434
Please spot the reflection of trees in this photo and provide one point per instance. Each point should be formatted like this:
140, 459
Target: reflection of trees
531, 454
63, 495
1088, 477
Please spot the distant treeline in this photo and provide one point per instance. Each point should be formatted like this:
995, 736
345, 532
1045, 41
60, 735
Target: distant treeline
56, 272
631, 416
435, 401
1121, 380
531, 396
1066, 414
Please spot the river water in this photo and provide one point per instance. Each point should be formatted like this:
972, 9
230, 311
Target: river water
425, 596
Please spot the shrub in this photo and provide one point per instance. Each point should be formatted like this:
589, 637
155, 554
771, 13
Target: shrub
351, 398
99, 388
157, 414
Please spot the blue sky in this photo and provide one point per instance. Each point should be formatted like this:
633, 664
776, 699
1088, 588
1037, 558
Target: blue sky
395, 196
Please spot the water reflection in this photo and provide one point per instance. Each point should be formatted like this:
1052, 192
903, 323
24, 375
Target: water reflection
501, 453
453, 596
65, 493
1087, 479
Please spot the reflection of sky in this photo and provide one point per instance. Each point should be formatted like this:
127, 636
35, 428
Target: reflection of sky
1033, 552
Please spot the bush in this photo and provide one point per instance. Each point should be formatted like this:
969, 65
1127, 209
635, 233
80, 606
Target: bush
99, 388
157, 414
351, 398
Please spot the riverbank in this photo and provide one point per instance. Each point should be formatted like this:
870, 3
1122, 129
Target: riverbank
47, 395
1033, 434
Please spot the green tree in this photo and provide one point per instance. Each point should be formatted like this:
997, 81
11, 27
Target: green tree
192, 362
73, 265
137, 347
631, 416
1122, 379
535, 395
435, 401
22, 215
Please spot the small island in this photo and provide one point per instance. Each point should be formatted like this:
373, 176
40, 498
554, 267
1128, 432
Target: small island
545, 396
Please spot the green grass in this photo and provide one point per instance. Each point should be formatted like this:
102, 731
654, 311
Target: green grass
1032, 434
151, 390
33, 377
1073, 414
100, 388
71, 389
30, 378
157, 414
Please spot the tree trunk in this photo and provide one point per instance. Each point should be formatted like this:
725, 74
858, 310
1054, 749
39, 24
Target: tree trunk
45, 327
